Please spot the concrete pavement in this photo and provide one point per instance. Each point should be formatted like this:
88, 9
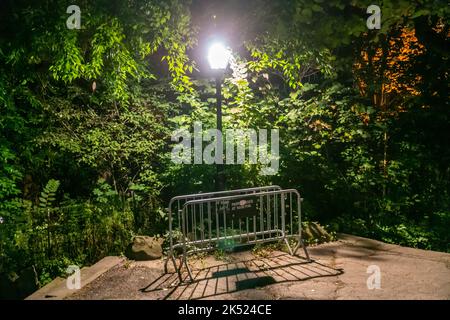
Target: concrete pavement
339, 271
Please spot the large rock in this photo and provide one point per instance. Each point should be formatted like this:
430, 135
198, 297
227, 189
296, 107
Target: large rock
144, 248
313, 232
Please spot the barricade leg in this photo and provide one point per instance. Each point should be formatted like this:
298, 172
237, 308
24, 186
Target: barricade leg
302, 244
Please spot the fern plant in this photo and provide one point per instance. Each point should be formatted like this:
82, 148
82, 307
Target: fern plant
46, 200
48, 195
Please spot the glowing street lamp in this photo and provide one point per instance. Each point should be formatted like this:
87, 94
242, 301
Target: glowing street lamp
218, 58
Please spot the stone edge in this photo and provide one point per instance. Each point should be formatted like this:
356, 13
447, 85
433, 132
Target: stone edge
57, 289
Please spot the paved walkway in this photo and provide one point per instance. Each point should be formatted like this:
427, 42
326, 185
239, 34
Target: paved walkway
339, 271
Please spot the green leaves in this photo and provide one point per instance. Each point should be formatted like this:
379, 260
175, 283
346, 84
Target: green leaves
69, 63
290, 59
48, 195
112, 48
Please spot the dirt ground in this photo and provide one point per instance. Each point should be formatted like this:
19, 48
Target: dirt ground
339, 270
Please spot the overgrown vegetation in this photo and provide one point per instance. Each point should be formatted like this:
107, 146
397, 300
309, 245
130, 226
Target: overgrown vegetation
86, 117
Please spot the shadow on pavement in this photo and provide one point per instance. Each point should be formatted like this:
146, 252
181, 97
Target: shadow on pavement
237, 276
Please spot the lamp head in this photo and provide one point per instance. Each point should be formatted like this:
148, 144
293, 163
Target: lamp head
218, 56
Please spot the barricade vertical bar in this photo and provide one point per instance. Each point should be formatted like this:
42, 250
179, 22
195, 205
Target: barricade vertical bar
203, 222
300, 240
268, 216
193, 224
299, 206
225, 224
283, 224
209, 223
261, 220
299, 199
178, 211
282, 215
232, 226
275, 213
254, 228
185, 262
170, 255
217, 223
240, 230
254, 223
290, 211
183, 228
248, 234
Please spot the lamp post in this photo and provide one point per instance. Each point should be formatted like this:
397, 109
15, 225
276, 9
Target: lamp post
218, 58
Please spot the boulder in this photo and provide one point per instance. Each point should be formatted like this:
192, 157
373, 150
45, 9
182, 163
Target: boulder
144, 248
313, 232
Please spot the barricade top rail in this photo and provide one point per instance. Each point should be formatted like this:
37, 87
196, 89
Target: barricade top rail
239, 196
206, 194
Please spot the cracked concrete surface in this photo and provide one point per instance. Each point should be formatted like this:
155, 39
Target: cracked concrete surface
339, 271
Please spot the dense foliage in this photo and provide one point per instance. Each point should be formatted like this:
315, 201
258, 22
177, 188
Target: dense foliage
86, 118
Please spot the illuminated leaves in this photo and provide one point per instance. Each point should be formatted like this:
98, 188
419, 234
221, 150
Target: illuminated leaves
389, 67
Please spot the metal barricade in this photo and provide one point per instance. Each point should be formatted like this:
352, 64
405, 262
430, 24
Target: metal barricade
237, 218
176, 206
